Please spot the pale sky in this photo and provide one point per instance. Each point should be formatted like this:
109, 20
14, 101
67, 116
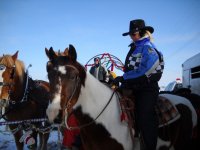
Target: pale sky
95, 27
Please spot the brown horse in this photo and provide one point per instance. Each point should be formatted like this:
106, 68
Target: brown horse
97, 108
23, 99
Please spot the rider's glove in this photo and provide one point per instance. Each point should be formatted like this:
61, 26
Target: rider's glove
118, 79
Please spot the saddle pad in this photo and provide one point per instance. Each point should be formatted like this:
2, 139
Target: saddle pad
175, 100
166, 111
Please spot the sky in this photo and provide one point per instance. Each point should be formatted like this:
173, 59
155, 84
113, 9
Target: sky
94, 27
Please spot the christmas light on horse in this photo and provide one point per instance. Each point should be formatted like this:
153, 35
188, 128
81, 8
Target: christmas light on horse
97, 107
23, 99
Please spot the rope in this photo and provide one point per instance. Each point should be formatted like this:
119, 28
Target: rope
22, 121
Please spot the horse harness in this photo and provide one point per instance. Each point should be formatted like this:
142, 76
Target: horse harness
29, 86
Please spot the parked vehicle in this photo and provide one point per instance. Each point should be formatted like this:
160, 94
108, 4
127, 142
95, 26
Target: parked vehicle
174, 85
191, 74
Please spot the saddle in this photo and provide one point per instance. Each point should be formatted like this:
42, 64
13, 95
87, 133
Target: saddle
167, 112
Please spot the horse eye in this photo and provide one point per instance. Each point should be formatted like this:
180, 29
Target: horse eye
2, 67
72, 77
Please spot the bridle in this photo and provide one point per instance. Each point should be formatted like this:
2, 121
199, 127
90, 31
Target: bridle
12, 74
4, 103
9, 103
68, 104
10, 84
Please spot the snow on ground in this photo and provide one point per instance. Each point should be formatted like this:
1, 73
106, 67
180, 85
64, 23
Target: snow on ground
7, 140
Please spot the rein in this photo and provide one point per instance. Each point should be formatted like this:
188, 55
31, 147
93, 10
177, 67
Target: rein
88, 124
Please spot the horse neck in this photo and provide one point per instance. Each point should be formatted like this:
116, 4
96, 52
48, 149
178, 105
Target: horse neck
94, 95
18, 87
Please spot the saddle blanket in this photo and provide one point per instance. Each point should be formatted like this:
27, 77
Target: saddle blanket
166, 111
175, 100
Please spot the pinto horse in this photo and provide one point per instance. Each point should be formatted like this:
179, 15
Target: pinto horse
195, 100
97, 107
23, 99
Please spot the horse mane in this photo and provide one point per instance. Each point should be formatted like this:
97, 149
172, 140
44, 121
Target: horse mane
19, 65
65, 53
82, 71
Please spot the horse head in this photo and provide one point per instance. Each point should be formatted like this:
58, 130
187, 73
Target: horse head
11, 70
65, 76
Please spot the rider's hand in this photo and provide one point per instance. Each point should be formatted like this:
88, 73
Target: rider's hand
117, 80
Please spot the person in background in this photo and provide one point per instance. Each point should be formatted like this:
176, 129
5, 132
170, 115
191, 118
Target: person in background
143, 69
99, 71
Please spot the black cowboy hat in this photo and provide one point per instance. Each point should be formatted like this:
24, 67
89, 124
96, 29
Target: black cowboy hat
137, 25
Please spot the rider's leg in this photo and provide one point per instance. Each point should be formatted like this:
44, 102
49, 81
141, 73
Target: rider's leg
146, 117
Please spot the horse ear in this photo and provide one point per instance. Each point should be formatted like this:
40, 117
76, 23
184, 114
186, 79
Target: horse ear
52, 55
66, 51
47, 52
72, 53
14, 57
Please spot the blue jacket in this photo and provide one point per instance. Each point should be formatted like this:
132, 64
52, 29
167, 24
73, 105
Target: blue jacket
144, 60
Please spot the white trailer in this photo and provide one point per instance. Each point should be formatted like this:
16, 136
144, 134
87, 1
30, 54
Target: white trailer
191, 74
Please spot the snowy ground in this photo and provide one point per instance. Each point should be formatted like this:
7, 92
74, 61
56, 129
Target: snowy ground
7, 141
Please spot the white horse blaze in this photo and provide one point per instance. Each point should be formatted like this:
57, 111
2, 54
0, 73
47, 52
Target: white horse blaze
54, 107
62, 70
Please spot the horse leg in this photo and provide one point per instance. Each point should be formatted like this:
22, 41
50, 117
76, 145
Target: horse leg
34, 135
185, 128
40, 141
43, 141
17, 137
